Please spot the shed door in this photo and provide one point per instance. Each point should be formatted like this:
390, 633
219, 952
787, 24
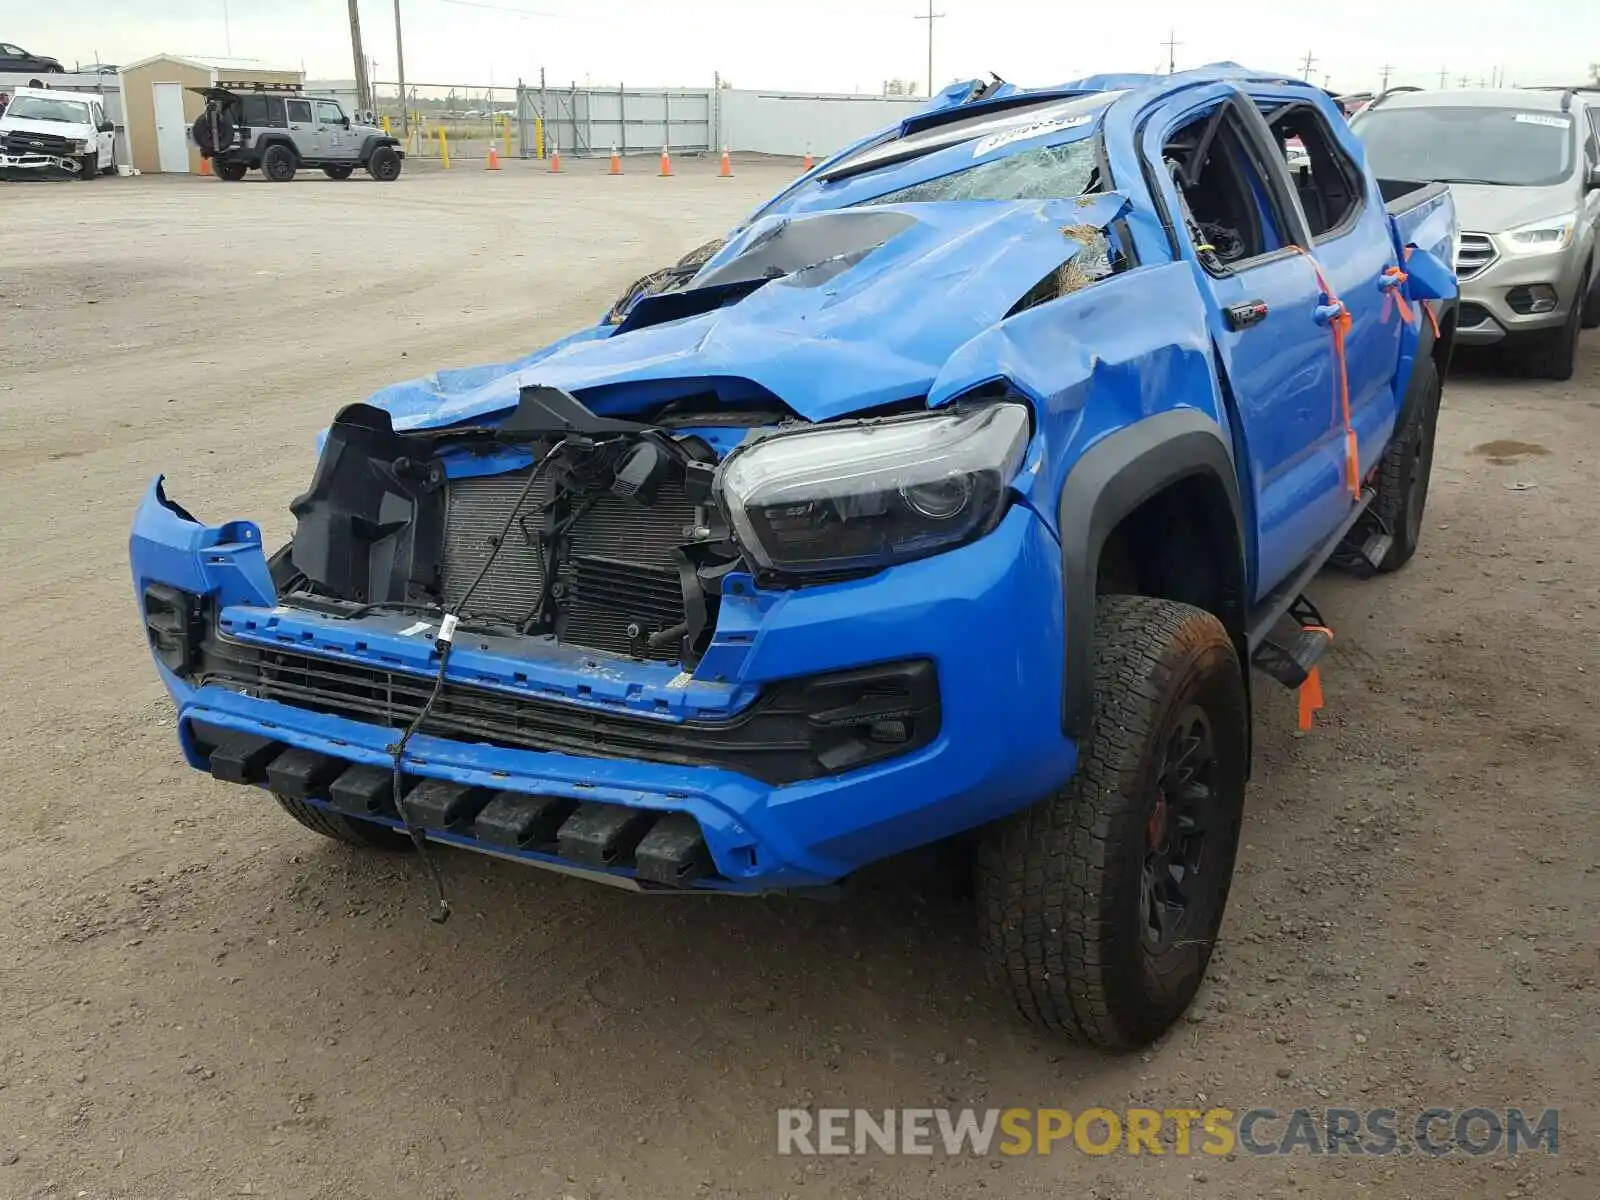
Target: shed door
172, 131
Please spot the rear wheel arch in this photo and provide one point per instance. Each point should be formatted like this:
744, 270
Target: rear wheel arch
1154, 509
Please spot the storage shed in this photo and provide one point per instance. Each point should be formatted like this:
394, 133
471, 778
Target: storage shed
160, 107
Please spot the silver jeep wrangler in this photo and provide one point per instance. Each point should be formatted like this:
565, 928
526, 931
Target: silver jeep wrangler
278, 132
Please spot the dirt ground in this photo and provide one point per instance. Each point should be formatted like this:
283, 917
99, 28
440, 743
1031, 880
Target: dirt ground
198, 998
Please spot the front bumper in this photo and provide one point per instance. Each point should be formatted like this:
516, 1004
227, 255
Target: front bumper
1487, 315
38, 162
986, 615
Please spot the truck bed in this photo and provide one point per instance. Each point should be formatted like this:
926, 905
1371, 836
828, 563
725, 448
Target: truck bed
1423, 215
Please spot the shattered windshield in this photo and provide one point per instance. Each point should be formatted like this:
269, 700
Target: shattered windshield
1046, 173
38, 108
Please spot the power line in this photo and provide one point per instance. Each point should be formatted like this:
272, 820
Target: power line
930, 18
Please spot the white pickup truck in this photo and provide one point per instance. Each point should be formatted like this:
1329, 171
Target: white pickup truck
48, 130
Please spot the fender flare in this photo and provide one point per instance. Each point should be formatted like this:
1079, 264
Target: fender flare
1427, 347
372, 142
1113, 478
267, 141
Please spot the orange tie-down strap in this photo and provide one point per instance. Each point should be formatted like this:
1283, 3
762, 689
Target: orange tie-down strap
1340, 326
1310, 698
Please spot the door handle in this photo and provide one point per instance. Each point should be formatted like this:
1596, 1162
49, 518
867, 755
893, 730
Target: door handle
1327, 314
1242, 316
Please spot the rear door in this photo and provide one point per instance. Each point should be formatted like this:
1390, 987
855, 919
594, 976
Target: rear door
1230, 215
303, 129
1353, 244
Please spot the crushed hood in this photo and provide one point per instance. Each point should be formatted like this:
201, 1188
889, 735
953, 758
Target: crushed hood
854, 330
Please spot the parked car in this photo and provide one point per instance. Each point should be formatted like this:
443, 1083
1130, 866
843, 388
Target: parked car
15, 58
43, 130
278, 133
1524, 166
950, 496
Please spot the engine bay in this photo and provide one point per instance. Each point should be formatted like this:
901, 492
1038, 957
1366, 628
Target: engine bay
612, 540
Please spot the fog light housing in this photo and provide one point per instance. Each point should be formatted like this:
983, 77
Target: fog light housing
174, 623
1531, 299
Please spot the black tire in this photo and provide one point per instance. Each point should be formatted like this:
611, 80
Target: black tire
1406, 471
89, 166
384, 163
350, 830
336, 171
1591, 302
278, 163
1067, 888
229, 172
1555, 354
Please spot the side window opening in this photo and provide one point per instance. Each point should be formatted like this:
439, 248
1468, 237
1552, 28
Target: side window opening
258, 110
1325, 179
329, 113
1226, 203
300, 111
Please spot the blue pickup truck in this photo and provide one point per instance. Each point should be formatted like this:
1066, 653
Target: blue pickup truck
949, 499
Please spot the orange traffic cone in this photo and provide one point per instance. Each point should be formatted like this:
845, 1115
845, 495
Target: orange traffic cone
555, 160
727, 165
666, 162
807, 162
494, 159
205, 166
616, 162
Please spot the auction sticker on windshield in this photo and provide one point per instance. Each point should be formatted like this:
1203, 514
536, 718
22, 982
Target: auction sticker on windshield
1542, 119
1023, 132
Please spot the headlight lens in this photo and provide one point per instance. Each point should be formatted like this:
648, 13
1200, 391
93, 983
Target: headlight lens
845, 497
80, 147
1541, 237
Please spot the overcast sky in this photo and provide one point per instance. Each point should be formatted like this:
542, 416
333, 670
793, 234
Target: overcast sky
831, 45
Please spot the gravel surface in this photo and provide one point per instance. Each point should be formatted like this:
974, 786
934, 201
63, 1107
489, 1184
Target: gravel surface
198, 998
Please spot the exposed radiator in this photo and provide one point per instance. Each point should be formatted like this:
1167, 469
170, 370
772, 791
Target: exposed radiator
620, 571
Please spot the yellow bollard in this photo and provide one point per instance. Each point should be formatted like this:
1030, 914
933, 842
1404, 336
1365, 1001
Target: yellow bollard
444, 149
538, 137
387, 131
506, 120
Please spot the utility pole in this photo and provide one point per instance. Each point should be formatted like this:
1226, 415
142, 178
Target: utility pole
400, 73
1462, 82
363, 92
930, 18
1172, 45
1310, 62
227, 31
1385, 85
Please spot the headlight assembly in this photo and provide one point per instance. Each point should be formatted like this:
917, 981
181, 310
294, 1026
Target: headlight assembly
1541, 237
858, 496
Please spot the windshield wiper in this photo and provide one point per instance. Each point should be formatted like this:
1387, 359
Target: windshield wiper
1489, 182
